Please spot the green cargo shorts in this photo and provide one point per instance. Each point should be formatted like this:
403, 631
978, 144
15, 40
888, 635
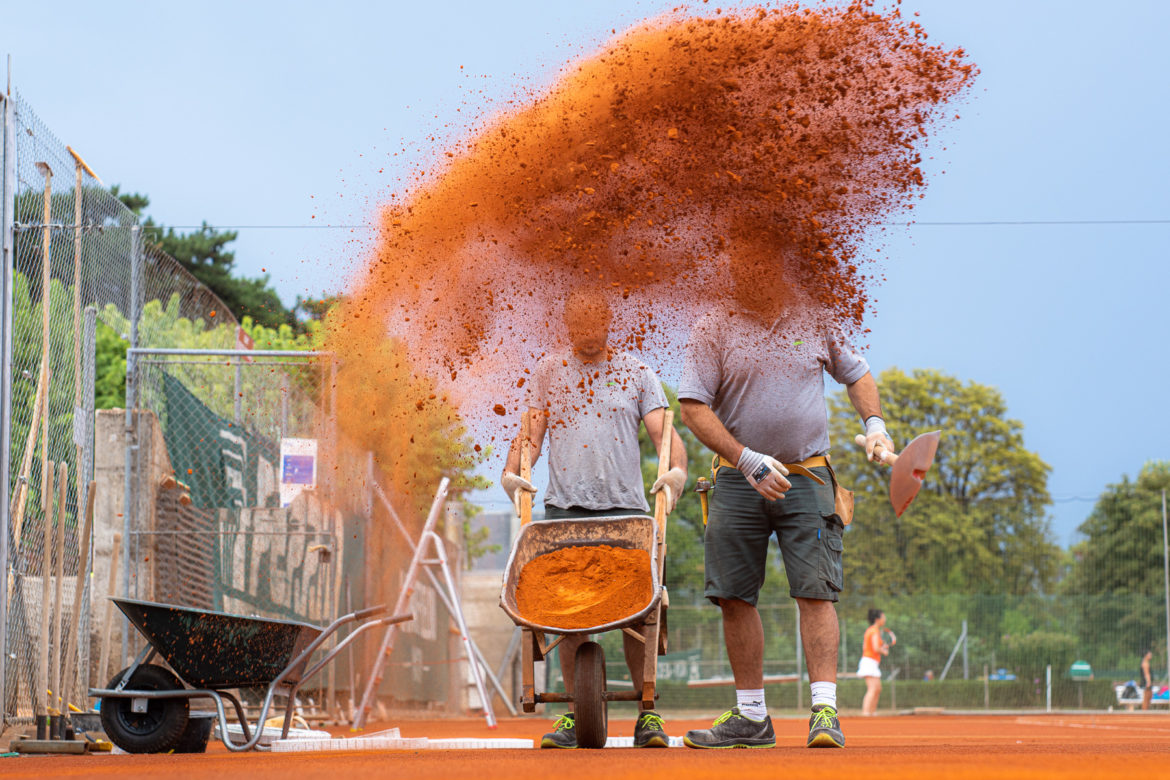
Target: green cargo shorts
741, 522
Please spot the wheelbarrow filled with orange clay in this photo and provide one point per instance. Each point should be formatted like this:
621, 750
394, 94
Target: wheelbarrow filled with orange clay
634, 601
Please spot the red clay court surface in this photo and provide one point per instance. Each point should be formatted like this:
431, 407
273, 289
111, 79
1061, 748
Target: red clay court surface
1133, 747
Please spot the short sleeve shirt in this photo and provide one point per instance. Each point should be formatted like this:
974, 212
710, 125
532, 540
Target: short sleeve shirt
871, 644
594, 410
766, 383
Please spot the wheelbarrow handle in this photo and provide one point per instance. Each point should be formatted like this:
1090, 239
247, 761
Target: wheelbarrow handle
369, 612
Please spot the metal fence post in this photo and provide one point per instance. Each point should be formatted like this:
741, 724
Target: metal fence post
966, 665
85, 473
237, 402
799, 661
7, 210
130, 428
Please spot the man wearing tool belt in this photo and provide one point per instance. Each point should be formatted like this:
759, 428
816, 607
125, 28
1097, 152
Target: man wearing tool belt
752, 390
591, 400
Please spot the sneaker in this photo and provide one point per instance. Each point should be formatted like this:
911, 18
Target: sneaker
648, 731
732, 730
824, 730
563, 735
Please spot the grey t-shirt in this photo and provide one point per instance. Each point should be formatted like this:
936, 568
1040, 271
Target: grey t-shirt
594, 411
766, 384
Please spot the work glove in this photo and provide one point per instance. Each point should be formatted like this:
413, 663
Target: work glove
764, 473
875, 437
512, 484
673, 483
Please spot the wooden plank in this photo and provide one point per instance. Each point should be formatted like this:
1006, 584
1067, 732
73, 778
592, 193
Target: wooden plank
525, 467
528, 670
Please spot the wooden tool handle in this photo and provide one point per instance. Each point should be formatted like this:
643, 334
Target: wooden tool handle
663, 467
108, 617
884, 455
525, 497
68, 678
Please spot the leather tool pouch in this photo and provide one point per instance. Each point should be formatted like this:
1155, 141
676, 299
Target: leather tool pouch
842, 498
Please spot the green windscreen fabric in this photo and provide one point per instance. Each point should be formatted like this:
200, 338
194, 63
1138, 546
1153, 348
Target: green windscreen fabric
225, 465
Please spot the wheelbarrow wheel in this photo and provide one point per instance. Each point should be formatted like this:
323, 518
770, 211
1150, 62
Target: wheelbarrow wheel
589, 697
157, 730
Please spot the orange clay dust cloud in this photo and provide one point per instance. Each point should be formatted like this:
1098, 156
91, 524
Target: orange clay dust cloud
635, 174
583, 587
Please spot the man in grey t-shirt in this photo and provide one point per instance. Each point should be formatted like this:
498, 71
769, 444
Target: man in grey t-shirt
591, 400
753, 391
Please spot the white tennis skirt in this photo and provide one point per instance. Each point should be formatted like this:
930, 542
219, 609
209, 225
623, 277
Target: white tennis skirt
868, 668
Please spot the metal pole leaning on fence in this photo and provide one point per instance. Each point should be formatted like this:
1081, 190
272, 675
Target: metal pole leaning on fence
130, 431
966, 665
46, 311
1048, 688
80, 420
962, 642
69, 678
375, 678
7, 256
42, 696
58, 582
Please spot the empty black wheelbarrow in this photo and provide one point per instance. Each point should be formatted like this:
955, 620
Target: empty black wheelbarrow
146, 707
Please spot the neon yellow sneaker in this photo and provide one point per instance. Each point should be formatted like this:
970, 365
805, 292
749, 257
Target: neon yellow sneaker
649, 731
733, 730
824, 729
563, 735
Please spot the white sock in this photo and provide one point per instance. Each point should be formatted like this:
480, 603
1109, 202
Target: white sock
751, 703
824, 693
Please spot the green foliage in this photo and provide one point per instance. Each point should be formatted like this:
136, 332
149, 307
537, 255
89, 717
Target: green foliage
1030, 653
315, 309
1117, 571
27, 354
979, 524
1122, 552
475, 542
110, 368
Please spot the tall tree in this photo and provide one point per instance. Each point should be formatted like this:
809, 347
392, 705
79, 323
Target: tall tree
1116, 573
978, 526
204, 252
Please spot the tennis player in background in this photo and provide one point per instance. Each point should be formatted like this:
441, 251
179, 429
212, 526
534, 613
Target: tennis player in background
873, 647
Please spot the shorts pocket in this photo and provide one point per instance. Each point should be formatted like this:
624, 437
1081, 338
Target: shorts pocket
832, 569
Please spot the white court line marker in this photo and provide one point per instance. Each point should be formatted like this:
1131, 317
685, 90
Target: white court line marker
1063, 724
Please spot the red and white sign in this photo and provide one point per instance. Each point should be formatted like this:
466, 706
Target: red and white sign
244, 341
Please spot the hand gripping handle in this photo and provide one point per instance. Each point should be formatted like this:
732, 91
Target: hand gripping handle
884, 455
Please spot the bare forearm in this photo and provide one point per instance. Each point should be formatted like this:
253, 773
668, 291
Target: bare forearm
709, 430
654, 422
863, 394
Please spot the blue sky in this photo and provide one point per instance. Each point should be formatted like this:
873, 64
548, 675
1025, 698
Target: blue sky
290, 113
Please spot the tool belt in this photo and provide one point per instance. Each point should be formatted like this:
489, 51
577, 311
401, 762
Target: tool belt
842, 498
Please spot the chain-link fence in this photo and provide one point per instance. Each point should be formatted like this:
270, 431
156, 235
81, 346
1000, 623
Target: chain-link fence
229, 509
81, 282
121, 368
